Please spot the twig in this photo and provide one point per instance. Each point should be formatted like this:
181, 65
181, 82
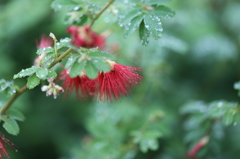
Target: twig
24, 88
97, 16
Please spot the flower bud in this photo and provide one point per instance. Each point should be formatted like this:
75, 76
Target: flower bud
52, 89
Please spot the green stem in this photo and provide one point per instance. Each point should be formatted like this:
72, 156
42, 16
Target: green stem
10, 102
24, 88
60, 58
97, 16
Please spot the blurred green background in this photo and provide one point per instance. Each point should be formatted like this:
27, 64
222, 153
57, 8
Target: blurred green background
197, 59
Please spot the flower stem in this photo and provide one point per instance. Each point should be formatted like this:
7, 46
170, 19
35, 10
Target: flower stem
97, 16
24, 88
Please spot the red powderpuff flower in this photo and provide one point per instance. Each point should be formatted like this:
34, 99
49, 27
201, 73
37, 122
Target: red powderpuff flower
81, 84
3, 151
118, 81
107, 86
44, 42
84, 37
193, 152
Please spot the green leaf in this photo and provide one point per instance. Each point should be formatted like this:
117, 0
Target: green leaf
237, 86
144, 34
151, 144
15, 114
48, 57
228, 118
27, 72
124, 19
99, 54
63, 43
133, 25
220, 108
63, 5
42, 73
194, 107
91, 70
101, 65
71, 60
52, 74
151, 2
162, 11
77, 68
147, 139
45, 50
154, 25
236, 119
33, 81
10, 125
76, 17
7, 86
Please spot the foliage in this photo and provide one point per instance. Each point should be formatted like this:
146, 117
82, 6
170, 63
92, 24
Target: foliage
190, 64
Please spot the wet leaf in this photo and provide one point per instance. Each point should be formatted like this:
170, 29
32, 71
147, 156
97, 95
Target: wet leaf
144, 34
91, 70
133, 25
27, 72
33, 81
76, 69
10, 125
42, 73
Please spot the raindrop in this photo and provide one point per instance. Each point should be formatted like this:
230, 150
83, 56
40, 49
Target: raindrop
220, 104
59, 6
121, 16
76, 8
115, 10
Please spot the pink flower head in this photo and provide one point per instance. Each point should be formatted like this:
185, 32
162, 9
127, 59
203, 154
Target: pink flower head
3, 151
81, 84
108, 85
193, 152
84, 37
118, 81
44, 42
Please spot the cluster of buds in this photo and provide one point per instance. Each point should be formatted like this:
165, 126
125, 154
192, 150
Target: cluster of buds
107, 85
84, 37
52, 89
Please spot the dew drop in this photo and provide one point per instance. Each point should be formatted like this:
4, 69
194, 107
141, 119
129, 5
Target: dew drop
76, 8
220, 104
59, 6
